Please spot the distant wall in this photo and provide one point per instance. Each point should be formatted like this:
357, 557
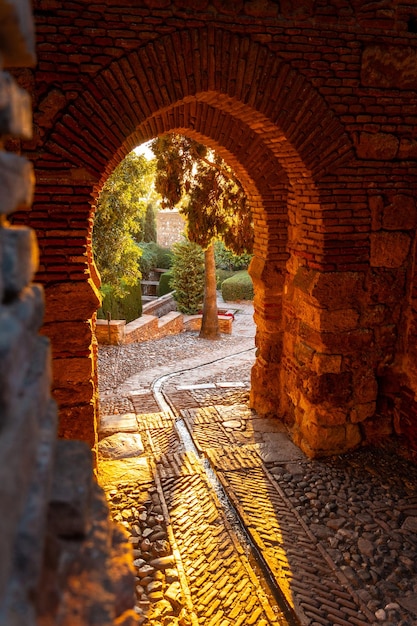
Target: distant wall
170, 226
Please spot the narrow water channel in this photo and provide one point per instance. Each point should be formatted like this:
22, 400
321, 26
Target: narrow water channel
265, 578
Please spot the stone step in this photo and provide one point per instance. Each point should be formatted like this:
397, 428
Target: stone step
170, 324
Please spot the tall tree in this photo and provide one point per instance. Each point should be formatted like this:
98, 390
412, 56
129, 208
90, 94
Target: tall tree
208, 193
120, 207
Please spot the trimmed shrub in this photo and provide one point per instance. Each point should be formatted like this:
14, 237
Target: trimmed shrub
188, 276
164, 285
238, 287
221, 275
127, 307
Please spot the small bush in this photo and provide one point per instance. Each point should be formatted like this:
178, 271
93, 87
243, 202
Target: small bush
127, 307
227, 260
238, 287
149, 258
188, 276
164, 285
164, 258
154, 256
221, 275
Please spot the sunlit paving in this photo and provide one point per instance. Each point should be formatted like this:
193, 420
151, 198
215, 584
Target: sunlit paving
230, 523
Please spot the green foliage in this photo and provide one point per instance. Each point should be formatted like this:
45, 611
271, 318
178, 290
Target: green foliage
165, 258
126, 307
188, 276
221, 276
206, 190
238, 287
148, 223
164, 285
149, 257
227, 260
121, 204
153, 256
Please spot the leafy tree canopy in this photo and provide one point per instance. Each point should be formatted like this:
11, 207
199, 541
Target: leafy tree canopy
121, 205
208, 193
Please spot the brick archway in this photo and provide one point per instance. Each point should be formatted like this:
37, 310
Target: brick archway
293, 156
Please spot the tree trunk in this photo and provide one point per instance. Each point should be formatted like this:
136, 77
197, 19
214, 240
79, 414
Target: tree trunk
210, 321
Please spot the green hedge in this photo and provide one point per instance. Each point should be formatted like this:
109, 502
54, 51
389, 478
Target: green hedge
238, 287
164, 284
221, 276
128, 307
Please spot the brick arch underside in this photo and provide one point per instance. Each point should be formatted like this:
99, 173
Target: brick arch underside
287, 148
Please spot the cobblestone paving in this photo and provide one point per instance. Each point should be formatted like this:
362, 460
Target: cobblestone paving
338, 536
223, 586
191, 568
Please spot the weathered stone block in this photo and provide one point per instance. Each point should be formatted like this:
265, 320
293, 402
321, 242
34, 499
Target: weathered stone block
30, 534
316, 440
331, 290
303, 353
401, 214
67, 396
17, 33
267, 275
110, 332
389, 66
327, 389
361, 412
80, 333
386, 285
349, 342
365, 387
389, 249
377, 146
407, 149
16, 182
71, 371
21, 430
76, 300
121, 446
20, 257
70, 499
17, 342
15, 109
323, 319
265, 389
327, 363
78, 422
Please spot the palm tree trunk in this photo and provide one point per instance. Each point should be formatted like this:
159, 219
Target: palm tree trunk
210, 321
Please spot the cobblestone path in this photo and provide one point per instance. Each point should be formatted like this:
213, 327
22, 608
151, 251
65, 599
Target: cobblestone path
337, 536
190, 564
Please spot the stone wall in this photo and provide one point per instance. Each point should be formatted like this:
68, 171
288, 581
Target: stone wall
57, 543
313, 104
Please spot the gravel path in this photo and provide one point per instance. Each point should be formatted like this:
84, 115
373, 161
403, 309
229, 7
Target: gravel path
119, 363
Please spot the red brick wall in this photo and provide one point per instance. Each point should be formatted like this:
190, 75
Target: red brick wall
313, 103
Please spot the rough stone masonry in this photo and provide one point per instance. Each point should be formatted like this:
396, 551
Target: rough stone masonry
54, 524
313, 104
